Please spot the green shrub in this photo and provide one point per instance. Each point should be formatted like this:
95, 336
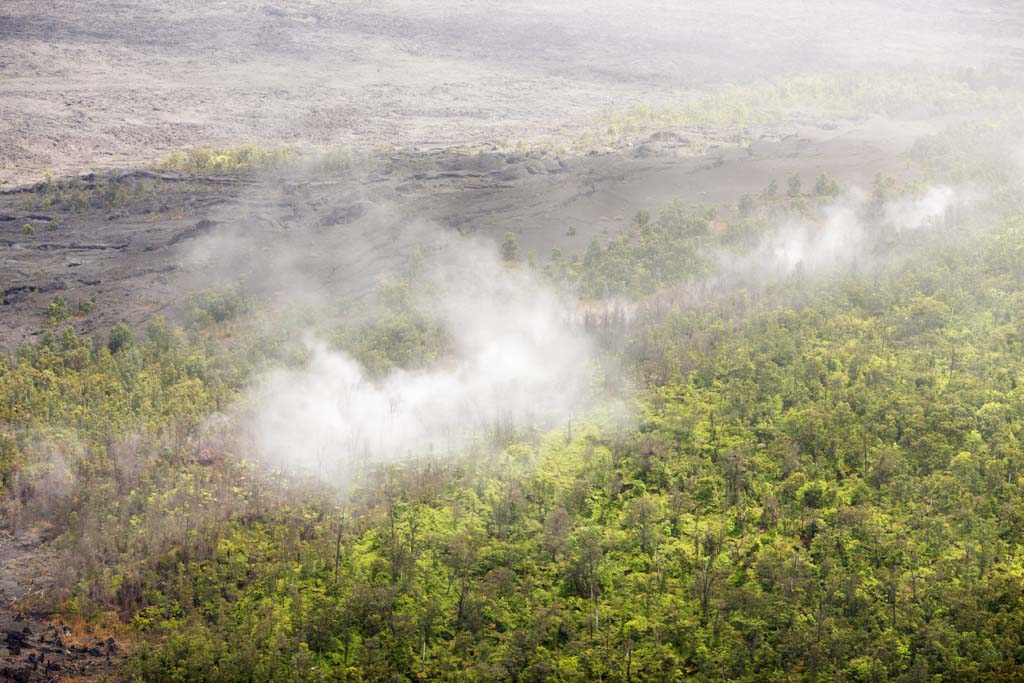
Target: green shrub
10, 458
85, 307
57, 312
208, 159
214, 308
510, 247
121, 338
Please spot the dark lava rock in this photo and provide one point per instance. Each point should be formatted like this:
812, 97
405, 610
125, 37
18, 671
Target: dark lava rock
19, 636
15, 675
343, 215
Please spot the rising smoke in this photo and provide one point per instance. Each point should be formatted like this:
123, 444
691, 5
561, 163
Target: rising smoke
844, 236
517, 356
517, 361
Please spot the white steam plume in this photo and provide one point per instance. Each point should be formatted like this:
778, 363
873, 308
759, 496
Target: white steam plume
841, 238
517, 359
936, 206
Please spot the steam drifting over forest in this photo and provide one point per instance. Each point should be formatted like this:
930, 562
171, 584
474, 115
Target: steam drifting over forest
490, 341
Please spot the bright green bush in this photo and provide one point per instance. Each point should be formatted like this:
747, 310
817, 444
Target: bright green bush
213, 160
57, 311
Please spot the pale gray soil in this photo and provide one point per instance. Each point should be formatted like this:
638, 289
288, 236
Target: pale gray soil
108, 84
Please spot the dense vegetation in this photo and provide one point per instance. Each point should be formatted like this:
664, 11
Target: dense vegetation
820, 480
206, 159
826, 488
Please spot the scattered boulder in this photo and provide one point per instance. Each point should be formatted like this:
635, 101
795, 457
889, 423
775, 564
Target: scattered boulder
15, 675
343, 215
16, 641
648, 149
553, 166
670, 138
201, 228
535, 167
511, 173
476, 163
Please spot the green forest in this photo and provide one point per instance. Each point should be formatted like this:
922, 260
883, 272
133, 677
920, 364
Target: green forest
808, 479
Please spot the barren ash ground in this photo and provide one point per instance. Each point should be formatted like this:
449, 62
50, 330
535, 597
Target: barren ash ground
465, 113
99, 85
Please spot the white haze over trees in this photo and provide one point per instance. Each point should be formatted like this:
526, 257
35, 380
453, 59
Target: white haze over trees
842, 237
518, 357
517, 360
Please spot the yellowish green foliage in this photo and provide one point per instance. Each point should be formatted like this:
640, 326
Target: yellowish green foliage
219, 160
913, 93
821, 481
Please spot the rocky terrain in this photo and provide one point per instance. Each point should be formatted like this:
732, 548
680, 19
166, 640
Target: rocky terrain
450, 110
35, 648
138, 243
111, 84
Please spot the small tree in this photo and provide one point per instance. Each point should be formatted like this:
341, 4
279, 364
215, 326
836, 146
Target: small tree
826, 187
121, 338
510, 247
794, 185
883, 189
57, 312
86, 307
745, 205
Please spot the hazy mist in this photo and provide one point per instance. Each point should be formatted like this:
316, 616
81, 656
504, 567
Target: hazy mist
516, 361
